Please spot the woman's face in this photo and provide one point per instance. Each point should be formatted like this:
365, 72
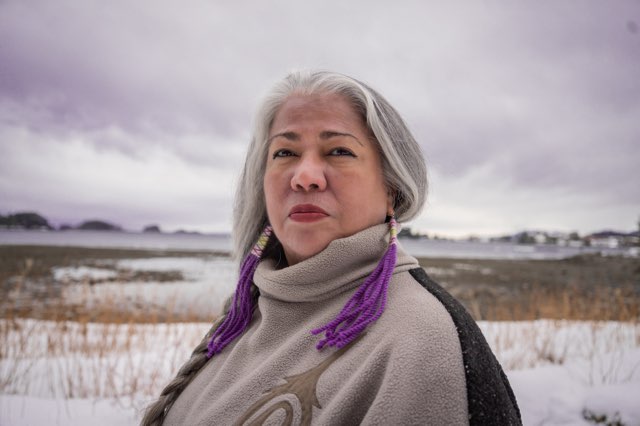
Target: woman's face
323, 177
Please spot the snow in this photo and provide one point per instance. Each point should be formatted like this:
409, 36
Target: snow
469, 267
20, 410
80, 273
192, 267
71, 373
67, 372
529, 344
616, 401
560, 394
208, 281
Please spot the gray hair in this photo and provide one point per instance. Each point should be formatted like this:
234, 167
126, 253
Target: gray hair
403, 167
403, 164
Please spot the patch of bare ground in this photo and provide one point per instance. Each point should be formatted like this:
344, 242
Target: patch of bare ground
585, 287
28, 288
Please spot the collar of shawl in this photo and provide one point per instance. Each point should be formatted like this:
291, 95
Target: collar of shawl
340, 267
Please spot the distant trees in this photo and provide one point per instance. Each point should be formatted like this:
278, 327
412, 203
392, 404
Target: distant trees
407, 233
98, 225
31, 220
524, 238
151, 229
28, 220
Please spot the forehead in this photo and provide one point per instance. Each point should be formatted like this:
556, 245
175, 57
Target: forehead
327, 110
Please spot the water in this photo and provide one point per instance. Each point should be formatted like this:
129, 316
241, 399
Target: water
496, 250
127, 240
222, 243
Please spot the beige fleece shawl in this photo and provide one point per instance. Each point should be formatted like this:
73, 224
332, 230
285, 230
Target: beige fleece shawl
405, 369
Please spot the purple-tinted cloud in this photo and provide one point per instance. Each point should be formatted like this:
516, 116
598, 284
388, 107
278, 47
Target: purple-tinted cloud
534, 96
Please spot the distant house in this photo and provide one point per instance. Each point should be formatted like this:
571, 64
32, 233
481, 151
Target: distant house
575, 243
607, 239
530, 237
539, 238
605, 242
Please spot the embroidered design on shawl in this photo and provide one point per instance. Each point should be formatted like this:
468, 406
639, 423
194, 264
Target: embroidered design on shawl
302, 386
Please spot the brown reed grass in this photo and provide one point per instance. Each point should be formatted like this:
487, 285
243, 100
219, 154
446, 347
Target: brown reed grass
588, 287
597, 304
107, 349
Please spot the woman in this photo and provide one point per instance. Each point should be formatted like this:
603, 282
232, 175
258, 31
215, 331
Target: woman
330, 322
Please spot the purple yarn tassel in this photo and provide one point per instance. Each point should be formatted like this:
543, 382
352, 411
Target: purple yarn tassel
241, 311
366, 305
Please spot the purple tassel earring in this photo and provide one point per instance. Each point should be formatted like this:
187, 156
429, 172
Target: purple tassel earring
366, 305
241, 311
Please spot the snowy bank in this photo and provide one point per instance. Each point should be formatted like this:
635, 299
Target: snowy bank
69, 373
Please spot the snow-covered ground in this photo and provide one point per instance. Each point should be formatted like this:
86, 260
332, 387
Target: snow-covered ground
206, 282
71, 373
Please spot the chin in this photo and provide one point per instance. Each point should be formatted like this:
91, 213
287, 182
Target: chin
304, 252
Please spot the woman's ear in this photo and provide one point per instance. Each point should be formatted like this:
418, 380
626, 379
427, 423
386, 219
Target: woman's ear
391, 201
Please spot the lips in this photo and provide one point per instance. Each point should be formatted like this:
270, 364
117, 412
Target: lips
307, 213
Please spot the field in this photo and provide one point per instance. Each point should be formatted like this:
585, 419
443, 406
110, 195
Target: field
112, 285
587, 287
93, 334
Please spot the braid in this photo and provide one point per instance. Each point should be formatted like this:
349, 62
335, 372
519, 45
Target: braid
236, 316
156, 412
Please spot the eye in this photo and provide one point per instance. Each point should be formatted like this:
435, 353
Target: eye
341, 152
282, 153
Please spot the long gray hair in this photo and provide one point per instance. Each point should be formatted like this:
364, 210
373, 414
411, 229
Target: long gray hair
403, 164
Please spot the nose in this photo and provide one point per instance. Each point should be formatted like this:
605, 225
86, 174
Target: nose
309, 175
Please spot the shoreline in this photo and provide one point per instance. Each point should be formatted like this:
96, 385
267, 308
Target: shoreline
188, 242
589, 286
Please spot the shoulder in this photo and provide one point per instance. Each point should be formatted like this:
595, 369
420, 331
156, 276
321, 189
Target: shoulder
421, 339
489, 394
417, 313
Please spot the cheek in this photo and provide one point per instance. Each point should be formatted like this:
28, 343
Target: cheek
355, 191
272, 192
366, 182
268, 194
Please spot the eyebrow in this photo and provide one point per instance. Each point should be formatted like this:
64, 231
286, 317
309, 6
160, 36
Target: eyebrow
327, 134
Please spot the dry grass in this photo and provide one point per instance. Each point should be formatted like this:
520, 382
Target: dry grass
109, 310
602, 344
86, 360
51, 346
595, 304
590, 287
29, 290
87, 347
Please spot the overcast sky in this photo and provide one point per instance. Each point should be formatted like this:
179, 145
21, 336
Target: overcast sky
139, 112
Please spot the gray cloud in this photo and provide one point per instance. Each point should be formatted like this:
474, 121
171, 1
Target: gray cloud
538, 96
